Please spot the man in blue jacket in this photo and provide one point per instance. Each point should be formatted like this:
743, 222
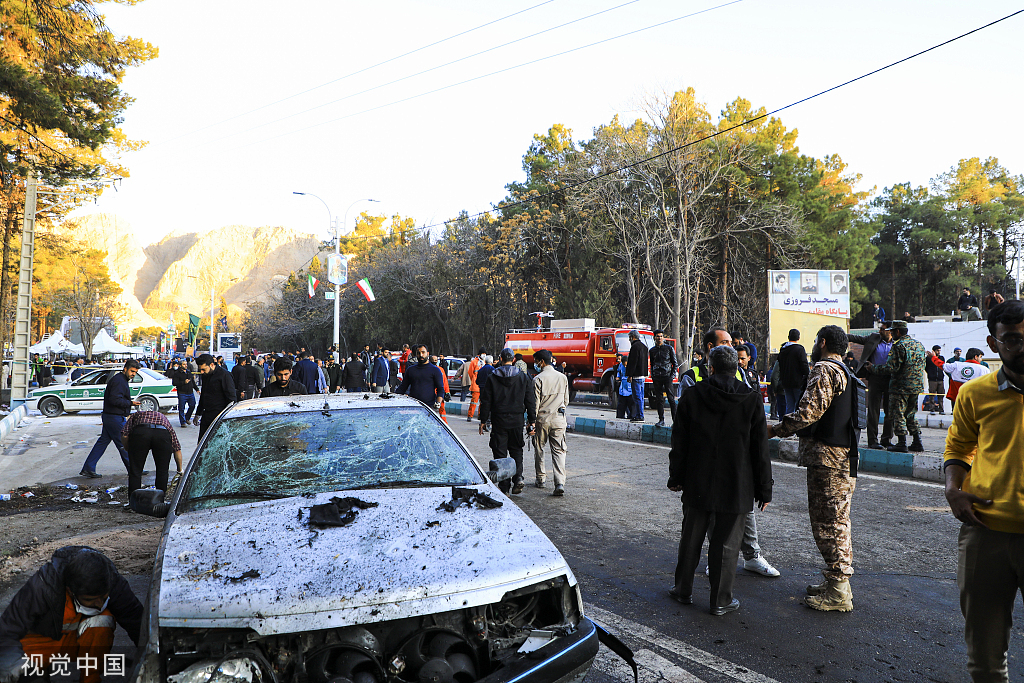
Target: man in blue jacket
381, 372
117, 404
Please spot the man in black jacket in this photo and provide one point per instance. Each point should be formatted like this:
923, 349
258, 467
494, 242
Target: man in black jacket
354, 374
117, 404
876, 350
67, 610
720, 462
217, 394
185, 386
504, 396
283, 384
663, 369
636, 369
334, 374
793, 371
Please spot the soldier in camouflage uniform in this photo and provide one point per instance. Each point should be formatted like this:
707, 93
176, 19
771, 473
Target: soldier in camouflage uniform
905, 368
829, 482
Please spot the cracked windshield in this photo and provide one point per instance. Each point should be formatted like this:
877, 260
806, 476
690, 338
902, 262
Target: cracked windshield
269, 456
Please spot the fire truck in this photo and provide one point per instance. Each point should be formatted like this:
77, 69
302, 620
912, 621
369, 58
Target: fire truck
587, 350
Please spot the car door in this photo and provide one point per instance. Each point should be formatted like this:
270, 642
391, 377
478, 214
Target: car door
87, 391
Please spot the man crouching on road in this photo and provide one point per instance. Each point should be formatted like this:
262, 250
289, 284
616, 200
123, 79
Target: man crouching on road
719, 460
826, 423
67, 610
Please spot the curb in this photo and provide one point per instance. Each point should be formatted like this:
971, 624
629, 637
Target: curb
912, 465
9, 423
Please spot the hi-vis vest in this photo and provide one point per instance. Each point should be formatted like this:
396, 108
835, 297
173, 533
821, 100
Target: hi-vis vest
697, 376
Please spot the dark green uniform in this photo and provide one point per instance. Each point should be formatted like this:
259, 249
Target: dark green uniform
905, 368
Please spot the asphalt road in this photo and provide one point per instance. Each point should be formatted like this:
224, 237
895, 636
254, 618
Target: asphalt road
618, 527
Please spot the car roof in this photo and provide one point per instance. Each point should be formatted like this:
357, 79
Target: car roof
315, 402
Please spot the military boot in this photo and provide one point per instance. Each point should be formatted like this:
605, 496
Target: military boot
917, 446
838, 597
901, 445
817, 589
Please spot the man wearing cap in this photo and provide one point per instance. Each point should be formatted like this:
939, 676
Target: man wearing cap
956, 357
936, 384
504, 397
876, 347
905, 368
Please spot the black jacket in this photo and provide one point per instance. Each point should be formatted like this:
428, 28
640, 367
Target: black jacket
117, 396
39, 607
505, 396
720, 447
793, 368
293, 389
934, 371
354, 371
637, 363
334, 372
182, 380
218, 393
663, 361
870, 343
966, 302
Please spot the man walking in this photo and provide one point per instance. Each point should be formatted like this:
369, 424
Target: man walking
474, 386
663, 369
793, 370
217, 394
423, 380
146, 431
505, 396
636, 368
551, 394
186, 387
825, 419
876, 347
905, 369
983, 460
720, 462
117, 404
879, 315
624, 391
283, 385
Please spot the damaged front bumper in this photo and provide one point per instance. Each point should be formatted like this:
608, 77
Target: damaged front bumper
564, 659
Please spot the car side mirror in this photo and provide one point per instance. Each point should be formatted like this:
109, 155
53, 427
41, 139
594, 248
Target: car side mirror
150, 502
502, 469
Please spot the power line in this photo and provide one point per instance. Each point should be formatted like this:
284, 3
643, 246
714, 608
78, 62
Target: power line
420, 73
354, 73
494, 73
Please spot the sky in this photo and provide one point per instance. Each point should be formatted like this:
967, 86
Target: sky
250, 102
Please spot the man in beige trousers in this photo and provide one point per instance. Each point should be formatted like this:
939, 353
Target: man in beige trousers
551, 389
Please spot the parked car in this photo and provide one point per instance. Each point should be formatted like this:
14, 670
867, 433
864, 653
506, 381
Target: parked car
451, 367
344, 539
149, 387
64, 376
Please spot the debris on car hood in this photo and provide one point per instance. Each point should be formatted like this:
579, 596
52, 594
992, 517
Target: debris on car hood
467, 496
338, 512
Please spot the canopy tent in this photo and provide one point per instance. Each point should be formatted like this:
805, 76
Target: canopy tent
104, 343
57, 343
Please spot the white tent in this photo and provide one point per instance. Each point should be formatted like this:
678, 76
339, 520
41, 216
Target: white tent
104, 343
56, 343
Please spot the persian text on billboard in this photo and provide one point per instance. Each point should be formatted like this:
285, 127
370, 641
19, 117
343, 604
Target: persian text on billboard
822, 292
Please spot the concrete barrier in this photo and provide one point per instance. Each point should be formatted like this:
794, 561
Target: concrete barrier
8, 424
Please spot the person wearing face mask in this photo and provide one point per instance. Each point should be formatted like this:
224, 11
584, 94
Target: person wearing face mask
68, 609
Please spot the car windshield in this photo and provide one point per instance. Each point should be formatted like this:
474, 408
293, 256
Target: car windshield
281, 455
151, 374
622, 341
90, 378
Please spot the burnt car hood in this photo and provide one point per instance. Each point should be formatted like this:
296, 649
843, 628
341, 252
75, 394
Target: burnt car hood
261, 565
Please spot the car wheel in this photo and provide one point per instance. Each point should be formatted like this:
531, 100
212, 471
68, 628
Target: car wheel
613, 396
148, 403
50, 407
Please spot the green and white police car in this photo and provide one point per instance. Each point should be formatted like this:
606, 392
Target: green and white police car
150, 388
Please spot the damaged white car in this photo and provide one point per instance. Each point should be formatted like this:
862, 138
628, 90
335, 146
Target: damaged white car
345, 539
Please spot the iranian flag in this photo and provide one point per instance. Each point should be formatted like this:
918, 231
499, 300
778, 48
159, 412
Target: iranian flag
313, 282
366, 289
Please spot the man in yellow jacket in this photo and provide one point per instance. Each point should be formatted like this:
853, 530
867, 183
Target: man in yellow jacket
984, 467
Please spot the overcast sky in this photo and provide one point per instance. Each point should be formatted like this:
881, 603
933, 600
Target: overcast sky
224, 149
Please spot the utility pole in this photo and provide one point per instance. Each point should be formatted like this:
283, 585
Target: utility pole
211, 319
21, 372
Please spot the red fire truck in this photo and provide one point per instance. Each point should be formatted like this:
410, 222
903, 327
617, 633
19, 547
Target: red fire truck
588, 351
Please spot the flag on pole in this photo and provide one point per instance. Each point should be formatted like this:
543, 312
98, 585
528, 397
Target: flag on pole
193, 329
366, 289
313, 282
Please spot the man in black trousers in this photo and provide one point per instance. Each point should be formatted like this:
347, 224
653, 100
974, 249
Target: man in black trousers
876, 349
720, 462
117, 404
217, 394
505, 396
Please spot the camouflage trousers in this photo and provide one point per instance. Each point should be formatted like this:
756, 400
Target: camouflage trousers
829, 492
903, 408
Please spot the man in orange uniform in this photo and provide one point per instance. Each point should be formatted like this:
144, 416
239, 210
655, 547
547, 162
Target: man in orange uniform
63, 619
471, 372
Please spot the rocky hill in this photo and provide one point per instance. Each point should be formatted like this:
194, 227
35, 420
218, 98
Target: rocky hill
240, 263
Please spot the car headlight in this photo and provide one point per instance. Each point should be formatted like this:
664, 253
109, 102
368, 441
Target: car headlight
235, 670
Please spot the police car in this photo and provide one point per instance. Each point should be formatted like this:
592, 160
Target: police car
150, 388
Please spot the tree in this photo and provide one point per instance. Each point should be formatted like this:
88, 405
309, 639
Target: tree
88, 295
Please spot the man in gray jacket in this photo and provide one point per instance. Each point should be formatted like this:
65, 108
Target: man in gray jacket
551, 389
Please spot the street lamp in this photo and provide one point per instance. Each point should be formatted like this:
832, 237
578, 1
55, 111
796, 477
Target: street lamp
337, 252
212, 296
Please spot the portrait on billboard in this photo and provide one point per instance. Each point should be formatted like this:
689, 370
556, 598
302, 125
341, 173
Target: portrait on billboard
839, 284
780, 283
809, 282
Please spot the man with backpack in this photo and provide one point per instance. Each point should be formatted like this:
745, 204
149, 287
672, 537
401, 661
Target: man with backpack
827, 419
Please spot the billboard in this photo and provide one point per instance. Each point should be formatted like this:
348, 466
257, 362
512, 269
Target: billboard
819, 292
229, 342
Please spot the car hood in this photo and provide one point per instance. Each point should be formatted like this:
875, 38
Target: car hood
260, 566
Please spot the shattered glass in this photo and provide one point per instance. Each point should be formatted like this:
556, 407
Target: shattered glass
257, 456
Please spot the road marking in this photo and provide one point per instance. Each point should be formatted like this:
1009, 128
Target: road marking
653, 665
775, 463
